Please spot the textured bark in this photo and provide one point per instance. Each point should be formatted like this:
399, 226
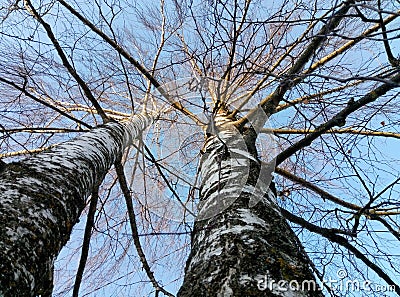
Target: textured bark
238, 248
41, 200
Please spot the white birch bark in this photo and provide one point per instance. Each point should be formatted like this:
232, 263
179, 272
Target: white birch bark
42, 197
241, 249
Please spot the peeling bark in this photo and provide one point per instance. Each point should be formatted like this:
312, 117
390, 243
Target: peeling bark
241, 249
41, 200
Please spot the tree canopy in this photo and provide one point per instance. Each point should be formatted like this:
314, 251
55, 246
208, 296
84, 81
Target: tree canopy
325, 73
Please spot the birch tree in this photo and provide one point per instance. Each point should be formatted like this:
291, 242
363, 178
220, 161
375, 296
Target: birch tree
42, 198
268, 171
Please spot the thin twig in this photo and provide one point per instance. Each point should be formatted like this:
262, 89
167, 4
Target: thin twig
86, 241
135, 234
337, 120
66, 63
173, 101
333, 237
35, 98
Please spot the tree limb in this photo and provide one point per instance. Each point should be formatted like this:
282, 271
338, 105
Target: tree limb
66, 63
337, 120
173, 101
333, 237
135, 234
86, 241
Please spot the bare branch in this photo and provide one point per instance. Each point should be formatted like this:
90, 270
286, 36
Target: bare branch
173, 101
333, 237
86, 241
37, 99
337, 120
333, 131
135, 234
65, 61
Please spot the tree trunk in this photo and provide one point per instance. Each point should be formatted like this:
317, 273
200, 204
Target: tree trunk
241, 244
42, 198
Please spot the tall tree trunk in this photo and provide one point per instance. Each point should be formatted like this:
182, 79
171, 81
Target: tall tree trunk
238, 248
42, 197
